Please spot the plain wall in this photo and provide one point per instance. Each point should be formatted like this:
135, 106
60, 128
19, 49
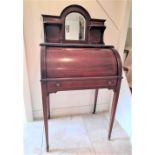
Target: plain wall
69, 102
26, 93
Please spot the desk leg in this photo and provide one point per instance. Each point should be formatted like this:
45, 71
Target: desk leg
49, 116
45, 99
95, 100
113, 110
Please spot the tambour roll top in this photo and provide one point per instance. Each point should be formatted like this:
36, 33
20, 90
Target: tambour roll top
79, 62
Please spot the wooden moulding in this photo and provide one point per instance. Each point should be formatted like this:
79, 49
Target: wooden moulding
55, 25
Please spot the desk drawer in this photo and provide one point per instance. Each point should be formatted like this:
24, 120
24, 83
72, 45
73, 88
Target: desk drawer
58, 85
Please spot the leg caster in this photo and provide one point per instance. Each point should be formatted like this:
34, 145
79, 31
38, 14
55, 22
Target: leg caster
47, 148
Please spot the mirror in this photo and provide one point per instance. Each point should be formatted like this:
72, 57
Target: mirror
75, 26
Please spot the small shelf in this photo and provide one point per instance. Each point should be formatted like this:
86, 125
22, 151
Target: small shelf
95, 25
51, 22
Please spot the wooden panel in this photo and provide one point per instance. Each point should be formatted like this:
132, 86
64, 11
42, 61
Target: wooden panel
96, 36
52, 32
80, 62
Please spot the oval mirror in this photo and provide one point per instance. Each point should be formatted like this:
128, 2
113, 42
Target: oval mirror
75, 25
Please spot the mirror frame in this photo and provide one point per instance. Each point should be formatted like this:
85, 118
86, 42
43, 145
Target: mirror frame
84, 13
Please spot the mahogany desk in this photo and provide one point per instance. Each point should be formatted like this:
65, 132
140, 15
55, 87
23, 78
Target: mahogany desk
77, 64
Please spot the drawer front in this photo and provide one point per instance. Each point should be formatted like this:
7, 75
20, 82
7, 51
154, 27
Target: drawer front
58, 85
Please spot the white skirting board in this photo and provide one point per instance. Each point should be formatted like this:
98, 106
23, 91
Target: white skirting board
75, 102
66, 111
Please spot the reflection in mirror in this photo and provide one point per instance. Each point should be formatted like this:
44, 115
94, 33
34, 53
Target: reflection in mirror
75, 27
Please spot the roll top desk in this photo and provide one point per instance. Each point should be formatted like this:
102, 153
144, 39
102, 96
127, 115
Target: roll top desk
84, 62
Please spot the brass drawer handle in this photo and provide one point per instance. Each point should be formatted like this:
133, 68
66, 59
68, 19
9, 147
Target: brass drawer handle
58, 84
110, 82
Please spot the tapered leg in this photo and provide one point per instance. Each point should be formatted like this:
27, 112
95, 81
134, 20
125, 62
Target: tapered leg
95, 100
113, 110
48, 107
45, 112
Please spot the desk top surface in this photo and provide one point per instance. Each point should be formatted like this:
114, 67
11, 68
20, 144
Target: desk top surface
76, 45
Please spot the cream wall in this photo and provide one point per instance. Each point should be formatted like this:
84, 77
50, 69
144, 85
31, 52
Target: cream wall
26, 93
71, 101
